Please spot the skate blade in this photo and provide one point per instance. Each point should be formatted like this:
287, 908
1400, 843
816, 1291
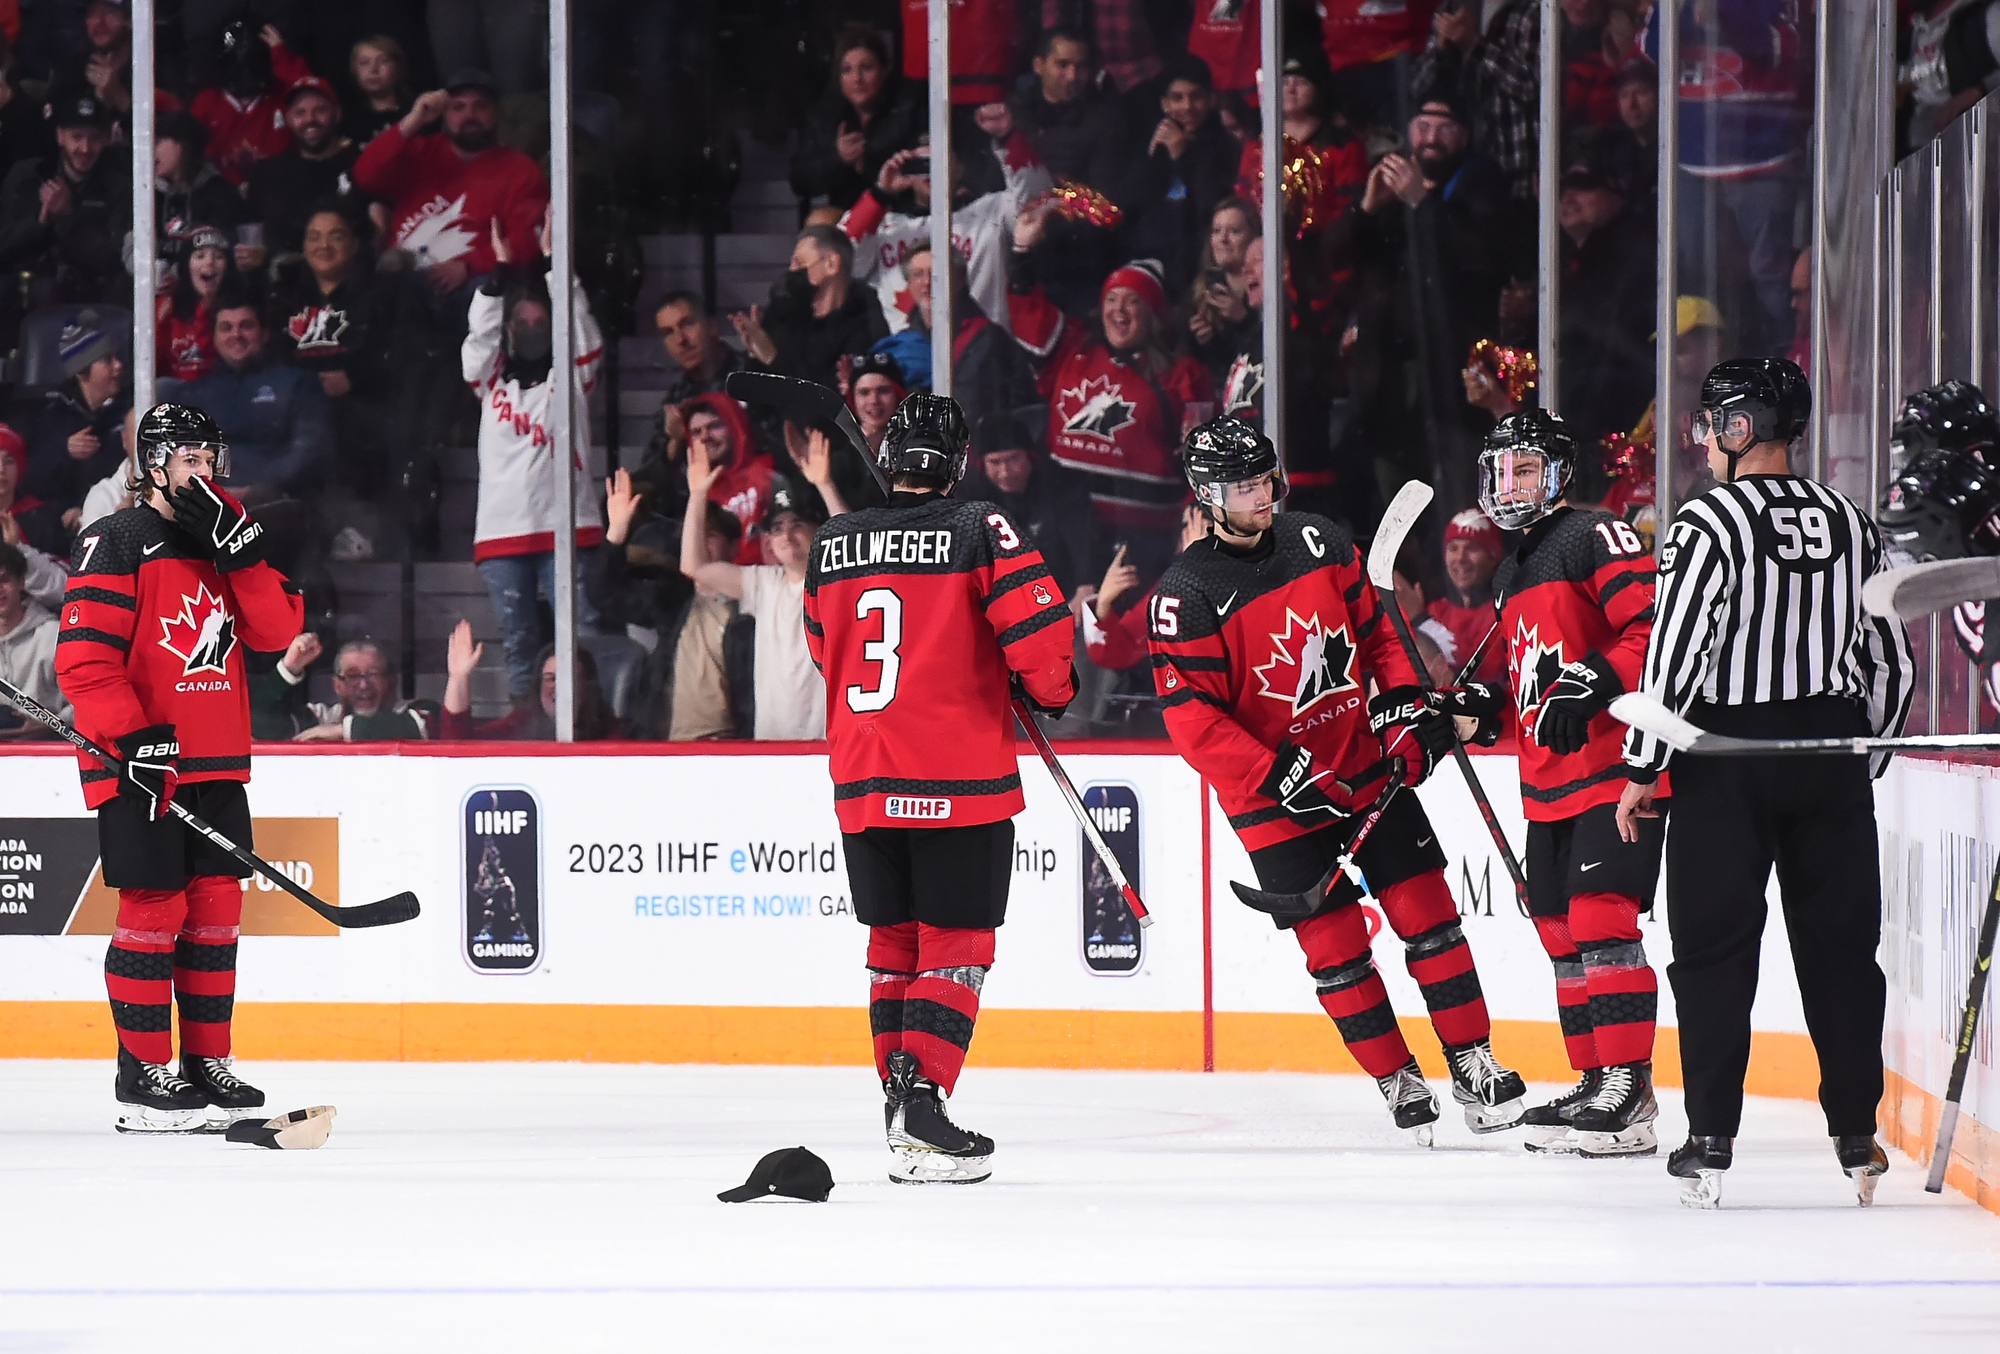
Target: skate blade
1703, 1191
1639, 1140
1552, 1142
1495, 1118
220, 1117
141, 1119
1864, 1185
1424, 1134
925, 1166
300, 1130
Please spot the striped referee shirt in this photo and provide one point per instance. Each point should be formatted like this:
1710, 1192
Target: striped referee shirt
1760, 600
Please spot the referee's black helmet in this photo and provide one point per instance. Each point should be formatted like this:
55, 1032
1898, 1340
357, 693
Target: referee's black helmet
1771, 390
927, 438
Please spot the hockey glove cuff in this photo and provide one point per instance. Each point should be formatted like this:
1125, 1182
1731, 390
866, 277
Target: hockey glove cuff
152, 757
220, 526
1583, 691
1292, 782
1019, 689
1413, 725
1476, 709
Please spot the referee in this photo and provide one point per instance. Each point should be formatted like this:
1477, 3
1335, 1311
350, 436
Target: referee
1760, 633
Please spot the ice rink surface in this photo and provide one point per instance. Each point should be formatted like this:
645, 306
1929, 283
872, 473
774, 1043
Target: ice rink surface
571, 1207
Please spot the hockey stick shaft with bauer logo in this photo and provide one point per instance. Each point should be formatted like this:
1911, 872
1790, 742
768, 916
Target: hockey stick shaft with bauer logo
1401, 515
1076, 806
1961, 1063
399, 908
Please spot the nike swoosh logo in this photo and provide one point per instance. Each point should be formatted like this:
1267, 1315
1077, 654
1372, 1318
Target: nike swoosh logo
1223, 610
151, 548
1583, 869
1422, 842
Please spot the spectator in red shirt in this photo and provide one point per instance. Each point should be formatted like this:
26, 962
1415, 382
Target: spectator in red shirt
245, 114
447, 190
744, 486
1472, 550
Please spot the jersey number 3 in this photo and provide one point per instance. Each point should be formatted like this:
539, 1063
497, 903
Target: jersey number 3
865, 700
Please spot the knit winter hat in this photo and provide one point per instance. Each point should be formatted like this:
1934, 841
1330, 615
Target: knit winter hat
1144, 276
207, 237
82, 343
1475, 526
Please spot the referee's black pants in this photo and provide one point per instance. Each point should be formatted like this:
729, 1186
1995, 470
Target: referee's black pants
1814, 819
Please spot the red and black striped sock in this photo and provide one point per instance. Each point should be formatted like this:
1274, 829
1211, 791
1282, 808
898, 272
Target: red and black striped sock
1422, 912
139, 970
1624, 990
892, 965
942, 1005
205, 964
1351, 991
1572, 992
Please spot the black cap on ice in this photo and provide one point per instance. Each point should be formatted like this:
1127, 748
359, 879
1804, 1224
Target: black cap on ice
790, 1173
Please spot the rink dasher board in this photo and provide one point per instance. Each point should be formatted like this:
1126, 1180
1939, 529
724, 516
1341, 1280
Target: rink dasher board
717, 880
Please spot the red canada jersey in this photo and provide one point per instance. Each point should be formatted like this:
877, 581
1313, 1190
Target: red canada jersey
1580, 581
916, 612
1227, 34
153, 634
1109, 420
1253, 649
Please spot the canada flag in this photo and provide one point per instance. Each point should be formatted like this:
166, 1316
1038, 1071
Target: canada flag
1308, 663
202, 636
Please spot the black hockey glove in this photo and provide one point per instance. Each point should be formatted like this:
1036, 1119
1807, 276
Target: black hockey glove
1478, 704
152, 768
1292, 783
1019, 691
1413, 725
219, 526
1575, 698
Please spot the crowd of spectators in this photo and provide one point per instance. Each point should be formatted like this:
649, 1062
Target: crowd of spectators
348, 243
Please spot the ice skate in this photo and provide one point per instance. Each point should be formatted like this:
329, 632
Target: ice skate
1699, 1163
1864, 1161
229, 1097
152, 1099
1494, 1098
1411, 1101
1618, 1120
1549, 1125
925, 1147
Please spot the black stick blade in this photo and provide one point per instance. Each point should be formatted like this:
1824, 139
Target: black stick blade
803, 399
400, 908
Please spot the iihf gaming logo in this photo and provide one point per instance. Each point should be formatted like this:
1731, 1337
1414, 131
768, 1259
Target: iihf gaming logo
1538, 665
1308, 663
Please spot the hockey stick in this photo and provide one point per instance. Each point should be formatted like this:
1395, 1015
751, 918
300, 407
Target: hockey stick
1975, 1000
802, 402
1075, 802
1647, 714
1918, 590
399, 908
1402, 514
1293, 906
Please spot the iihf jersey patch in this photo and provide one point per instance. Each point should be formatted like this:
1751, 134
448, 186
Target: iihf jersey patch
1308, 663
1536, 665
1042, 596
202, 636
1096, 408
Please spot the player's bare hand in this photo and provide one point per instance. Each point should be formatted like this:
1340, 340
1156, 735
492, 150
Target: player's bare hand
302, 652
83, 444
1634, 802
461, 651
621, 504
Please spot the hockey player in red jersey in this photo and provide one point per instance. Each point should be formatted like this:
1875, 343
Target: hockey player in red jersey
922, 614
1264, 636
1575, 601
162, 599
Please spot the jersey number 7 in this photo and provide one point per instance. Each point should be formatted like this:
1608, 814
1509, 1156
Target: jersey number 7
864, 700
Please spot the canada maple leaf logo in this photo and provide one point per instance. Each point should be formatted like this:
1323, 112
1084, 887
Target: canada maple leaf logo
1308, 663
317, 327
1536, 665
437, 233
1097, 408
202, 636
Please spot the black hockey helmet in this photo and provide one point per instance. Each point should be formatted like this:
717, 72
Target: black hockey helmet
168, 427
1225, 451
1757, 399
926, 437
1951, 414
1944, 503
1531, 432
